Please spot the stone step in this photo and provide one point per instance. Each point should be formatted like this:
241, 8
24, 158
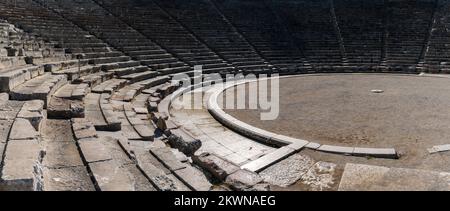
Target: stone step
63, 168
62, 65
107, 60
100, 114
22, 158
39, 88
95, 79
127, 93
139, 76
109, 86
119, 65
142, 126
8, 112
76, 72
67, 102
155, 171
11, 78
192, 177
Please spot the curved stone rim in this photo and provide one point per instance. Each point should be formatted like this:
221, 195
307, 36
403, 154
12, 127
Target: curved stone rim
279, 140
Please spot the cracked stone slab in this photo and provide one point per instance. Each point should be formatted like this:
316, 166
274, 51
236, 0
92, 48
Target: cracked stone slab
93, 150
336, 149
243, 179
141, 183
5, 127
22, 129
61, 154
67, 179
287, 171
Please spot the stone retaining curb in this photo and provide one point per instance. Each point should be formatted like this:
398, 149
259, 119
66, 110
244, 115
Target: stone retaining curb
281, 140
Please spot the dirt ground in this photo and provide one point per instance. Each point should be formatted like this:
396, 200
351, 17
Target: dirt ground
411, 114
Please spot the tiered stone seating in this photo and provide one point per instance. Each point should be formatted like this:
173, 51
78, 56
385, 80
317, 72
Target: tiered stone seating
37, 20
25, 48
99, 22
88, 49
407, 28
155, 23
112, 168
208, 24
361, 25
21, 56
311, 23
262, 28
437, 56
85, 94
166, 168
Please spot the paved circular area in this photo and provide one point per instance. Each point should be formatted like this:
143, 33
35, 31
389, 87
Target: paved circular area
407, 112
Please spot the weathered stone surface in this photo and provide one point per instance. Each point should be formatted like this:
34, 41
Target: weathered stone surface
67, 179
141, 183
217, 166
377, 178
336, 149
139, 110
184, 142
269, 159
312, 145
93, 150
20, 159
5, 127
61, 154
243, 179
439, 148
33, 112
145, 132
322, 176
3, 98
375, 152
111, 177
22, 130
2, 148
259, 187
166, 156
40, 88
287, 171
83, 129
163, 181
143, 156
194, 178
